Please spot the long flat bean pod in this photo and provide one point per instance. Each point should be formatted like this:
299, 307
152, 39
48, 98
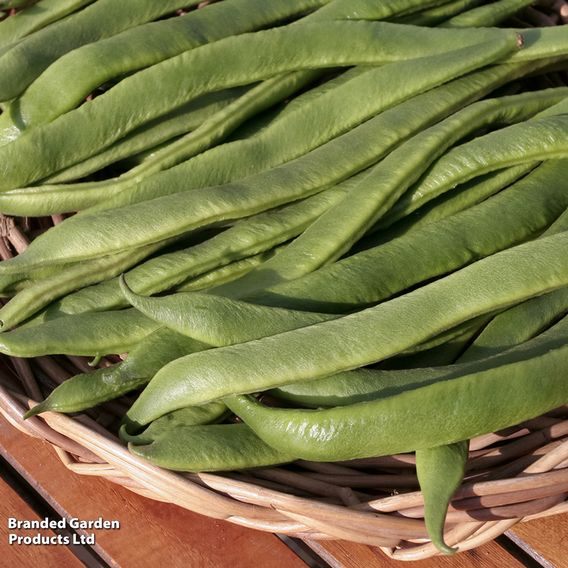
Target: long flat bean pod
103, 18
35, 18
40, 293
100, 333
334, 232
218, 321
273, 51
217, 447
319, 350
331, 163
144, 360
185, 119
71, 78
531, 382
309, 124
488, 15
467, 195
375, 274
538, 139
437, 14
247, 237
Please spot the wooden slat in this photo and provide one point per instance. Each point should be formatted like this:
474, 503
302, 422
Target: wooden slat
340, 554
151, 533
548, 537
52, 556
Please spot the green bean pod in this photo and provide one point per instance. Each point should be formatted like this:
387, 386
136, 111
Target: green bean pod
95, 334
217, 447
374, 334
526, 384
316, 120
488, 15
160, 131
464, 196
538, 139
330, 163
246, 238
67, 82
335, 232
517, 214
144, 360
218, 321
440, 472
35, 18
31, 56
274, 51
437, 14
164, 426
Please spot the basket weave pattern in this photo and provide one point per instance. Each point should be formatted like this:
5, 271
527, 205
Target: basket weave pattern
512, 476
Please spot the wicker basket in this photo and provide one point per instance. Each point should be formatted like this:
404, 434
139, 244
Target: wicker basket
513, 476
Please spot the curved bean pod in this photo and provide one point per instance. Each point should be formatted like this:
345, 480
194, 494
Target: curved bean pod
273, 51
35, 18
217, 447
335, 232
312, 121
467, 195
100, 333
316, 351
104, 18
144, 360
218, 321
185, 119
40, 293
191, 416
67, 82
488, 15
331, 163
440, 472
529, 384
246, 238
437, 14
538, 139
514, 215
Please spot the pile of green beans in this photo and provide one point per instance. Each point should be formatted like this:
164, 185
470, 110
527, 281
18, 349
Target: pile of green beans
355, 209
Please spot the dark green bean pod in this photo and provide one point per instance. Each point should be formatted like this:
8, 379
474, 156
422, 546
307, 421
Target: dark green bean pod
129, 104
374, 334
440, 472
95, 334
526, 382
144, 360
512, 216
30, 57
217, 447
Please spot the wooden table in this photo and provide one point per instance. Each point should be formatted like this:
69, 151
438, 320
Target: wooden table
34, 484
